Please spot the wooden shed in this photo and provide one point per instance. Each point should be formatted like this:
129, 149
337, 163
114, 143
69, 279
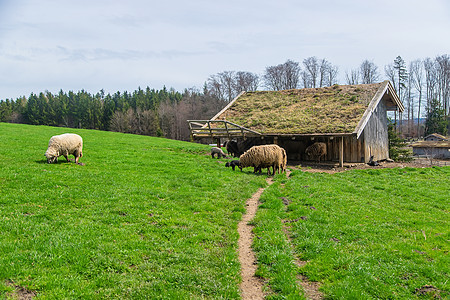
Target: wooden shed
432, 149
350, 119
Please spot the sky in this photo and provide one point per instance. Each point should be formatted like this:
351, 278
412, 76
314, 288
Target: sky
53, 45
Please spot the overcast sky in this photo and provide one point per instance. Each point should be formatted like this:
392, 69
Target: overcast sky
122, 45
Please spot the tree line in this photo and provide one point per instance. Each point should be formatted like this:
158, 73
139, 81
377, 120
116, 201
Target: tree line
148, 112
423, 87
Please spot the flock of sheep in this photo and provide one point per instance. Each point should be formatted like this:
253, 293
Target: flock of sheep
258, 157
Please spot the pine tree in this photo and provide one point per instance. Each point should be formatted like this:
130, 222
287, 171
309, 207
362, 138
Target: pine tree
436, 120
402, 74
397, 145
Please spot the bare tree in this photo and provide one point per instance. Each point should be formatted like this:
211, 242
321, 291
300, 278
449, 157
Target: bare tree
328, 73
409, 99
273, 77
246, 81
283, 76
323, 67
431, 79
311, 71
120, 122
369, 72
352, 77
306, 79
389, 71
228, 84
443, 72
331, 75
227, 80
215, 87
416, 71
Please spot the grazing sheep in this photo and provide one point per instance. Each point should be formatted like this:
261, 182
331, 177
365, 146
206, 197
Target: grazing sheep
264, 156
233, 164
232, 148
218, 151
317, 150
65, 144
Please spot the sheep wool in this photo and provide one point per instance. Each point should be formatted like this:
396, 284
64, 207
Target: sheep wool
317, 150
217, 151
64, 145
264, 156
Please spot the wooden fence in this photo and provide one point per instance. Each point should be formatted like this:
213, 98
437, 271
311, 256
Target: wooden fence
218, 129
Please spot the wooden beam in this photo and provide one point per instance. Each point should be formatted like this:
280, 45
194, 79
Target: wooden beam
341, 152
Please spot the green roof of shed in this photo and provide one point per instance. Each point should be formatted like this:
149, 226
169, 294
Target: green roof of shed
327, 110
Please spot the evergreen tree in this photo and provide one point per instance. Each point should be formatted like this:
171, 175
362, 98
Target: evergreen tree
402, 74
397, 146
5, 110
436, 120
32, 113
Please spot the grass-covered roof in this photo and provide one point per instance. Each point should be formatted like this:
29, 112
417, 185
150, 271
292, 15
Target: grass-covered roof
335, 109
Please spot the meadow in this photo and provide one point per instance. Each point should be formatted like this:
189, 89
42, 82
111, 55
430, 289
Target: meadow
362, 234
143, 218
151, 218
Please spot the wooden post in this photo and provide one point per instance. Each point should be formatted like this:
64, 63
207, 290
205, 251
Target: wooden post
341, 152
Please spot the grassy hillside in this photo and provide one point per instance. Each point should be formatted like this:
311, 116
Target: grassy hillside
364, 234
154, 218
143, 218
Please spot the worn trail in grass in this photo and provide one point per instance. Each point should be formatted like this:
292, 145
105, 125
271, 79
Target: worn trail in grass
251, 286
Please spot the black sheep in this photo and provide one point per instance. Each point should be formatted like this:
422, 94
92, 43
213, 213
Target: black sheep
233, 164
232, 148
372, 162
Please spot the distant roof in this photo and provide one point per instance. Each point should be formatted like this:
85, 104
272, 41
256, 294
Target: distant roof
431, 144
327, 110
436, 135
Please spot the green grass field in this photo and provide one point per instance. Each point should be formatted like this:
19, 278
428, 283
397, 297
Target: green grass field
143, 218
365, 234
151, 218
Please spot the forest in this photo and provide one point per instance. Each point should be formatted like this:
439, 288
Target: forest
423, 86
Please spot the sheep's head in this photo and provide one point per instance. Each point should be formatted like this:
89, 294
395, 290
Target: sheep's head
52, 159
52, 156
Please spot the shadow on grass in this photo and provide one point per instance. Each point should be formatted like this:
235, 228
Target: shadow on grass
60, 162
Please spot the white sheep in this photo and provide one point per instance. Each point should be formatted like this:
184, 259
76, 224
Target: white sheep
65, 144
218, 151
264, 156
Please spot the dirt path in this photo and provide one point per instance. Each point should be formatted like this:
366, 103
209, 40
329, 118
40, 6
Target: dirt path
251, 286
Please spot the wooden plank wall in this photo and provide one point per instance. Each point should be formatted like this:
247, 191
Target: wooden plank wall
376, 135
353, 148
